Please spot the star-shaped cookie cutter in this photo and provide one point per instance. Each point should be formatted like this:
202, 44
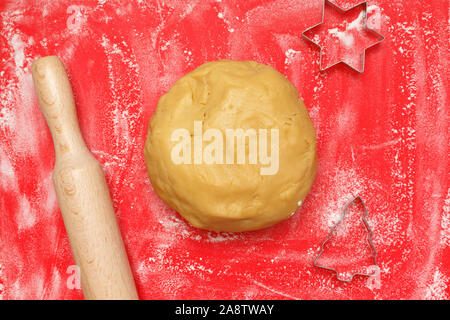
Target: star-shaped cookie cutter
369, 240
342, 10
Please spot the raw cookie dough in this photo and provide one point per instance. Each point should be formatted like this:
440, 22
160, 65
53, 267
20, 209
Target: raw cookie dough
224, 95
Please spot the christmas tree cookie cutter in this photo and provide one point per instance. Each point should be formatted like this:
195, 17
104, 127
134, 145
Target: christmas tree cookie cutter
369, 240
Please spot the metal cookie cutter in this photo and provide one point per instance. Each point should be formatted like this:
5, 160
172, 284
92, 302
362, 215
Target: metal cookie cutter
342, 10
369, 240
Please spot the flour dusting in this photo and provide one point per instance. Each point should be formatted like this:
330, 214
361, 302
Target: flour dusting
437, 289
25, 217
346, 39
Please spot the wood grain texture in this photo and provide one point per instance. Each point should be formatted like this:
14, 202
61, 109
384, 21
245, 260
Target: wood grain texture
82, 192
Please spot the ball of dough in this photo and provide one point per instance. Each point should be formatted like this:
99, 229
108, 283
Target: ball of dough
232, 196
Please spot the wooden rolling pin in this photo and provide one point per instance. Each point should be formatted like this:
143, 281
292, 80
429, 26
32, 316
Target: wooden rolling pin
82, 191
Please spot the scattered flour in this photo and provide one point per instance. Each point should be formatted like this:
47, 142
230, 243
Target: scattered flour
7, 173
346, 39
26, 215
290, 56
437, 290
445, 223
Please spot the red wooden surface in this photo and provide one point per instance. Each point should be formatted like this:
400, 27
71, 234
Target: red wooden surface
382, 134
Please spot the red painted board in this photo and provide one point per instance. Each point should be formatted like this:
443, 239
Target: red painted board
382, 134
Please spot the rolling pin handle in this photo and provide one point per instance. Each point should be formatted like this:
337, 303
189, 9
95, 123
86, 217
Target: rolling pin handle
57, 103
